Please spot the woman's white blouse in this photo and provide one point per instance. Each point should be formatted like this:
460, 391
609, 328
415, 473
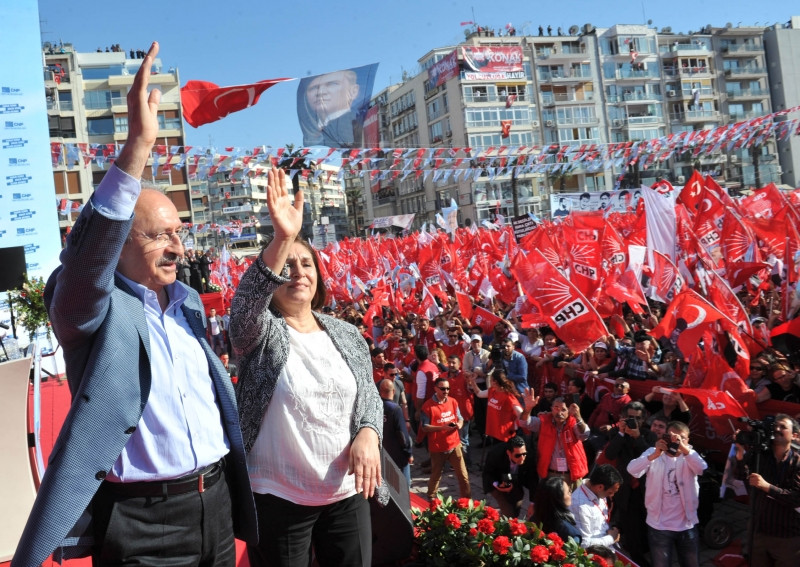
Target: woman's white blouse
302, 450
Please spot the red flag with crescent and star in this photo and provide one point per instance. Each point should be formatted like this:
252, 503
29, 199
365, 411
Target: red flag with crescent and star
205, 102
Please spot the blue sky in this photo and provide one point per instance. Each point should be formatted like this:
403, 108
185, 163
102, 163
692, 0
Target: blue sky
238, 42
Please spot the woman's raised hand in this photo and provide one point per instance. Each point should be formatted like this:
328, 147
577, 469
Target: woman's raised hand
286, 215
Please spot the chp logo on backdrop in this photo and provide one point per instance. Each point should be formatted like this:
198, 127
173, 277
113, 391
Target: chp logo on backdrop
13, 125
18, 162
10, 91
12, 143
32, 266
21, 197
27, 231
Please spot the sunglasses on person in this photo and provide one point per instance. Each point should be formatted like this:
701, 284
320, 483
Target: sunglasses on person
442, 389
621, 386
518, 455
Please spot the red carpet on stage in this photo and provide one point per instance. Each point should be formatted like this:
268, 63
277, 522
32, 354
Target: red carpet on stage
55, 404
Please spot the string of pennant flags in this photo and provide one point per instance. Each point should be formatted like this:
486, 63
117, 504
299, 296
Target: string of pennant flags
442, 165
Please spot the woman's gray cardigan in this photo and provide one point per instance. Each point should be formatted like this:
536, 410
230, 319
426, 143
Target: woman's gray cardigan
260, 340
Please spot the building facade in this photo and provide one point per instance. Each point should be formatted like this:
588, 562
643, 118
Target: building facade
584, 89
87, 114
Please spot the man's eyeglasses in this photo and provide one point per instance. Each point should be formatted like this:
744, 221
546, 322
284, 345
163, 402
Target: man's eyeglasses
443, 389
518, 455
394, 374
621, 386
166, 237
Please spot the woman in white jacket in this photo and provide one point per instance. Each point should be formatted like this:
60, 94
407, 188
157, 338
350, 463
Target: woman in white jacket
671, 496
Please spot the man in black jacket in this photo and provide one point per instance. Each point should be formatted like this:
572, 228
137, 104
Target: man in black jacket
777, 494
627, 441
508, 471
396, 439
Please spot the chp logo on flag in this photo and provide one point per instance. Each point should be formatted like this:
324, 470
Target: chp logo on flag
570, 312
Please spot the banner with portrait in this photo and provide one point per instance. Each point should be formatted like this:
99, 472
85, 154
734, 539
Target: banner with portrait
561, 204
331, 107
485, 62
443, 70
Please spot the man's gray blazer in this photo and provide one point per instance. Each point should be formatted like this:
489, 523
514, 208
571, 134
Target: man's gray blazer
101, 325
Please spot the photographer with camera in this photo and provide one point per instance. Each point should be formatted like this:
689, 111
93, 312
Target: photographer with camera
628, 440
767, 461
671, 496
507, 472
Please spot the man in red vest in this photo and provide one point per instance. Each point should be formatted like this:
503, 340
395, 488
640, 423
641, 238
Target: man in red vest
562, 432
441, 421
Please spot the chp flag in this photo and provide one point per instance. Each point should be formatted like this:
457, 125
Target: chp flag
566, 309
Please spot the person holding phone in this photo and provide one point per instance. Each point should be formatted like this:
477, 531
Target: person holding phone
671, 496
441, 421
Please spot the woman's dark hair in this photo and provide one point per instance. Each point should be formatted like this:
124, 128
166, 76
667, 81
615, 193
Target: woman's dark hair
501, 382
321, 295
549, 508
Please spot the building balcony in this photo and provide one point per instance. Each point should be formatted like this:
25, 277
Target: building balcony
60, 106
742, 116
550, 99
748, 94
626, 75
563, 53
473, 98
743, 50
689, 93
50, 78
635, 97
695, 116
566, 76
745, 72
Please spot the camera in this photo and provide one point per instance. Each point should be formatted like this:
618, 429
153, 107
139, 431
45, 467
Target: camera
631, 423
672, 447
761, 433
505, 480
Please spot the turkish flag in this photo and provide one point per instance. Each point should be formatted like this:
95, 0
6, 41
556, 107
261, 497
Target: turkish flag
720, 407
464, 305
506, 128
485, 319
692, 193
205, 102
693, 314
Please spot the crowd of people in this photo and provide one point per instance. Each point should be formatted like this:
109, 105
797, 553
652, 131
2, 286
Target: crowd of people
266, 422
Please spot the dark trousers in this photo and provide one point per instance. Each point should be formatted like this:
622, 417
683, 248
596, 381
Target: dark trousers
195, 528
341, 533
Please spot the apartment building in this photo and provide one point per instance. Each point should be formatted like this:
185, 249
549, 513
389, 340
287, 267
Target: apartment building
589, 87
87, 114
782, 48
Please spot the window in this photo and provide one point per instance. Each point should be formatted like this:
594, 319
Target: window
120, 124
100, 126
98, 100
61, 126
90, 73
